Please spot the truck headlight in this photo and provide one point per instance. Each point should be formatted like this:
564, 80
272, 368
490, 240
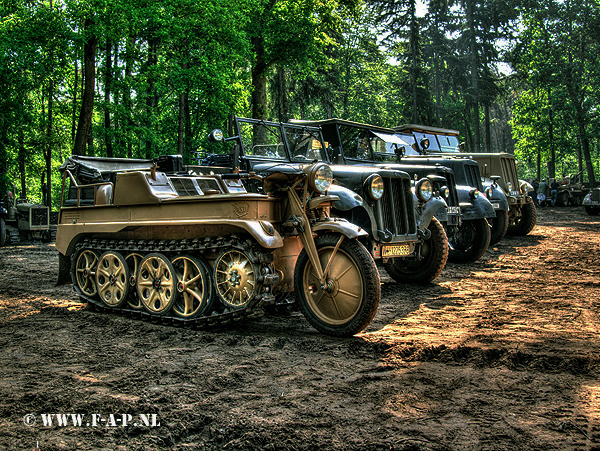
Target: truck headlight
525, 188
320, 177
424, 190
374, 186
474, 193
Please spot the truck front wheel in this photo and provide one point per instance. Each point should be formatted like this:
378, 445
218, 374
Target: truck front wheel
526, 222
434, 254
469, 241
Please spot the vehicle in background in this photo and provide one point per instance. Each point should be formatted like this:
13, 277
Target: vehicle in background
402, 231
571, 191
591, 202
497, 170
21, 220
467, 228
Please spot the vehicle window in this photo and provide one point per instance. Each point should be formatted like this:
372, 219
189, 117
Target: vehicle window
412, 148
384, 151
304, 144
262, 140
355, 142
448, 143
433, 143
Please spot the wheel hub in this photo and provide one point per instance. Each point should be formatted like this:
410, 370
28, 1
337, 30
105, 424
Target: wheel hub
156, 282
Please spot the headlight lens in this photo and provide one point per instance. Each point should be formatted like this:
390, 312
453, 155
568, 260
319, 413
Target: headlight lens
525, 188
320, 177
445, 192
374, 186
474, 193
424, 190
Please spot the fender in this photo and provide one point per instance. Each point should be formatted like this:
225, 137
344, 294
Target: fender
348, 200
435, 207
342, 226
496, 195
476, 208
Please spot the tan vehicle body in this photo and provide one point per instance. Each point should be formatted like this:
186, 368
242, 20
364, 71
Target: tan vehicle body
129, 245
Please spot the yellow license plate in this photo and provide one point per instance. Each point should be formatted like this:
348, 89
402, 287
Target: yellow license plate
395, 251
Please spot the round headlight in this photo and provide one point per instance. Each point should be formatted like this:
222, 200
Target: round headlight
445, 192
374, 186
320, 177
525, 188
474, 193
424, 190
216, 135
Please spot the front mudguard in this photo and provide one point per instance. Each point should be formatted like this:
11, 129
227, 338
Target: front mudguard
497, 197
349, 200
435, 207
476, 208
341, 226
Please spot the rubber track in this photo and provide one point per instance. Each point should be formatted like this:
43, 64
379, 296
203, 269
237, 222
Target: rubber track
252, 310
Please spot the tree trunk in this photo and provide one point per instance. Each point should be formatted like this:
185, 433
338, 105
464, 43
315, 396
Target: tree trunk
283, 102
259, 80
87, 102
107, 89
22, 157
552, 162
151, 99
181, 125
48, 200
474, 62
75, 89
129, 47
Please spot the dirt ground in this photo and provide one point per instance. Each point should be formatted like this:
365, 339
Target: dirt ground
502, 354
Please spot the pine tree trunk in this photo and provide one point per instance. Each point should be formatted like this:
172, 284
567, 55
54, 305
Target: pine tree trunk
107, 88
87, 102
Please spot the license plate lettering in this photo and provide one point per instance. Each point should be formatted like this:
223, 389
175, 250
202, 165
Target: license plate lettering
395, 251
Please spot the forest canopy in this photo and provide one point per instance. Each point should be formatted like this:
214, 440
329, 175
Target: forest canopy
124, 78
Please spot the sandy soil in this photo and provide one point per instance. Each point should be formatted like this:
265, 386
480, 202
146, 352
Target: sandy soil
502, 354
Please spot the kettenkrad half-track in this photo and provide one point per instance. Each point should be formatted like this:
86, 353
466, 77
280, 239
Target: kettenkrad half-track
146, 238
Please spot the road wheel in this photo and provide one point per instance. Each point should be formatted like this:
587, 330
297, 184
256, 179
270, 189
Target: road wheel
469, 241
563, 199
84, 272
156, 284
133, 261
349, 301
592, 211
434, 254
112, 279
499, 226
235, 278
526, 222
2, 233
194, 285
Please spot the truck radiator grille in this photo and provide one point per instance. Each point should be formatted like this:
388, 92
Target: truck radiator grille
509, 170
39, 216
473, 176
451, 185
397, 207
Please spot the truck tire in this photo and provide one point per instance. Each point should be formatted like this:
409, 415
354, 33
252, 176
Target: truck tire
563, 199
340, 312
527, 221
592, 211
470, 241
2, 233
499, 226
434, 253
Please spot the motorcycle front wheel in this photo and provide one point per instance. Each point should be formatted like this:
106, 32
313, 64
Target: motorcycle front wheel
348, 301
